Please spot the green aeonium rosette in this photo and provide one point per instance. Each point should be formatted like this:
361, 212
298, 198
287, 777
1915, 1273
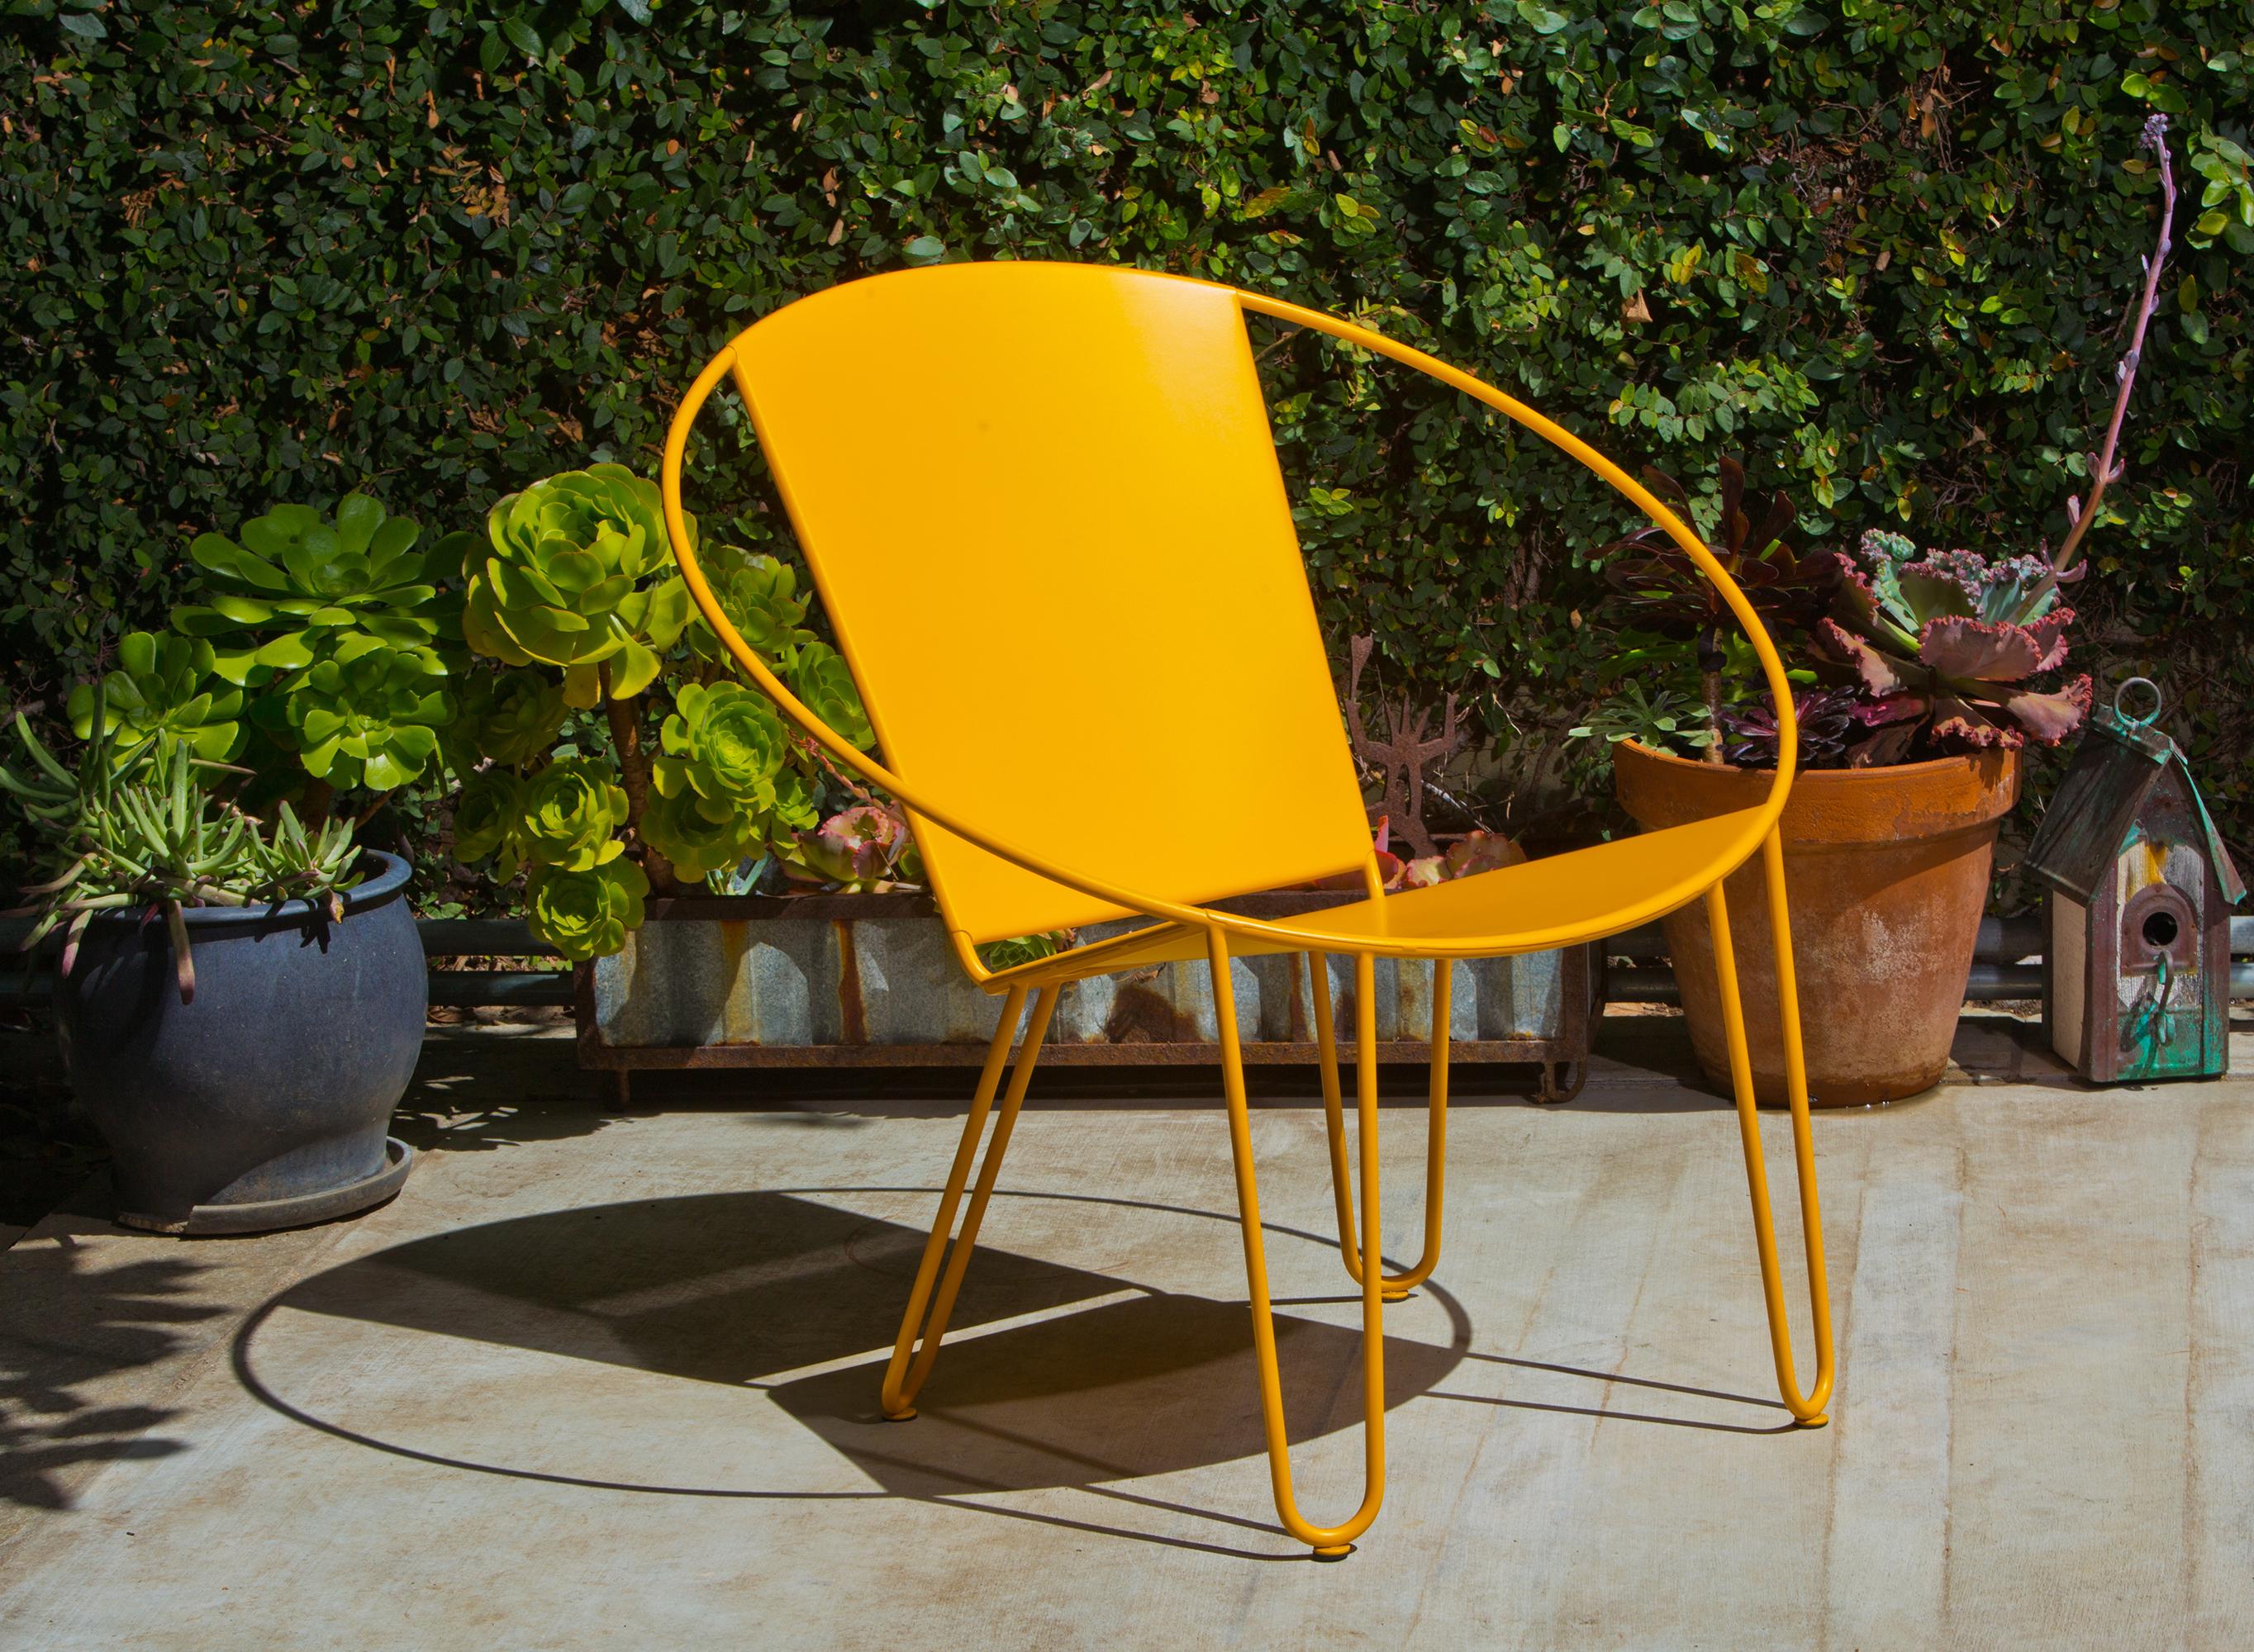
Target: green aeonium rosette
369, 716
759, 595
698, 836
572, 814
819, 675
512, 717
586, 913
164, 685
489, 819
580, 575
725, 743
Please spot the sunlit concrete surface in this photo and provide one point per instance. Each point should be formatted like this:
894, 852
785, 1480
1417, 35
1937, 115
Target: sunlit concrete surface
596, 1381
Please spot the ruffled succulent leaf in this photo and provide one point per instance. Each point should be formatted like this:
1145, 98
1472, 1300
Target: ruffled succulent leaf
1876, 714
1928, 593
1882, 556
2049, 633
2049, 718
1879, 674
586, 913
1958, 721
2016, 590
1976, 650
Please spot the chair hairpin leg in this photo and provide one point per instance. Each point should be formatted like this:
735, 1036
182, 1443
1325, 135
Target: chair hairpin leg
1808, 1409
1396, 1285
1328, 1541
904, 1377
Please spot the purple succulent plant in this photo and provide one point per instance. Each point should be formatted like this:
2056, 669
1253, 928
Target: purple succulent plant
1832, 722
1946, 646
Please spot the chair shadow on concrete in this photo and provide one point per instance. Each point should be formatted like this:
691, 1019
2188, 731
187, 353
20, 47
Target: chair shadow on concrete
1115, 1382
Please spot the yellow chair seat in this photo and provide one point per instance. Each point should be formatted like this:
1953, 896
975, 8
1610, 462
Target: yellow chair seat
1561, 899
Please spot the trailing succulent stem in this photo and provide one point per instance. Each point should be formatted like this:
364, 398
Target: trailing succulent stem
625, 719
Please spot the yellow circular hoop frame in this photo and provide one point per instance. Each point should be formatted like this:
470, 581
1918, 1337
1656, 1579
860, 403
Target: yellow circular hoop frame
1694, 881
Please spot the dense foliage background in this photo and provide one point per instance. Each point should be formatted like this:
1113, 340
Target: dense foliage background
276, 252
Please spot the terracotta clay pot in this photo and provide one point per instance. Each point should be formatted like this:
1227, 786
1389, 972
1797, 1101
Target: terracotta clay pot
1888, 870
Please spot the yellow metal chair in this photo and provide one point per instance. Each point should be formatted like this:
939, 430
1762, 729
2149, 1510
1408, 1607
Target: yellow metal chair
1042, 506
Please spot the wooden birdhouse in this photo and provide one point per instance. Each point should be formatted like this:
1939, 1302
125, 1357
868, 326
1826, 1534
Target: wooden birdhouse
2137, 950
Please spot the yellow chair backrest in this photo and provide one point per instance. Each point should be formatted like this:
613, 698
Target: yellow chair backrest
1042, 505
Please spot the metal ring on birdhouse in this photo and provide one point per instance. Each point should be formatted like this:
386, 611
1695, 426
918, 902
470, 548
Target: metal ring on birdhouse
2150, 687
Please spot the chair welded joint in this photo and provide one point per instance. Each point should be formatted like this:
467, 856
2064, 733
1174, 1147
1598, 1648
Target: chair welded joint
1119, 336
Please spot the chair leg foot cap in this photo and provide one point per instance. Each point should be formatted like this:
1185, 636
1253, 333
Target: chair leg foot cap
906, 1414
1339, 1553
1817, 1421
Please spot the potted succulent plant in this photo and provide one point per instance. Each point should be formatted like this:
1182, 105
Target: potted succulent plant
241, 997
240, 1005
1909, 768
1924, 675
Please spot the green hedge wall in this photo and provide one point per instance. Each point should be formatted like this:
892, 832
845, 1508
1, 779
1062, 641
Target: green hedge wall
276, 251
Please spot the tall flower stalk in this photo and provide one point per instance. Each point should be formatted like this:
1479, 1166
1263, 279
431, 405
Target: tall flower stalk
2104, 469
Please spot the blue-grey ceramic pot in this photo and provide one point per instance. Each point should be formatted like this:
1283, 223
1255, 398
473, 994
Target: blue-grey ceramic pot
265, 1102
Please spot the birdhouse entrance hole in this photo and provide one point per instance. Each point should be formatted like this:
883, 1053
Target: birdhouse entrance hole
2159, 922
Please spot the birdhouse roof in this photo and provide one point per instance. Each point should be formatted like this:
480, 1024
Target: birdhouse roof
2118, 771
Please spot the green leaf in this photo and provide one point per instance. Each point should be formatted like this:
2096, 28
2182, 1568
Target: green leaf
287, 652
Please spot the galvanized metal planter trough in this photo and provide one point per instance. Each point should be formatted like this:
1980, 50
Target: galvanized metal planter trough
870, 980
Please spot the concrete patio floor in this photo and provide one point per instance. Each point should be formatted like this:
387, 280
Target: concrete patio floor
598, 1380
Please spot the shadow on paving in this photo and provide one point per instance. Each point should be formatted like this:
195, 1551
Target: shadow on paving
63, 1324
478, 1087
740, 1288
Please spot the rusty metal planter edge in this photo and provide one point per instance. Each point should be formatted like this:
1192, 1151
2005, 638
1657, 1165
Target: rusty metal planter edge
893, 984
